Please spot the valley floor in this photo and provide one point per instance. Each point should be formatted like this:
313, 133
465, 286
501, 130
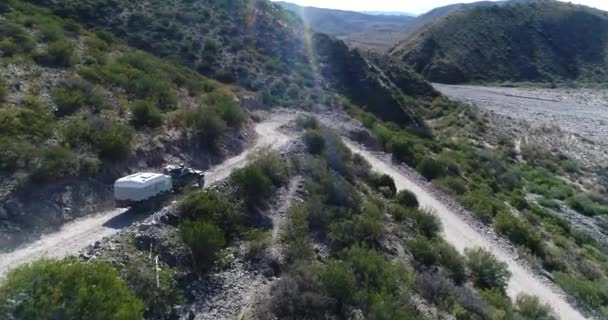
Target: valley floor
580, 111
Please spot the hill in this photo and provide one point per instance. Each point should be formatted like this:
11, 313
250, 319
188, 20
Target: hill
361, 30
541, 40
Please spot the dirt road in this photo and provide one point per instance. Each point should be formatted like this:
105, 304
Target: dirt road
77, 235
581, 111
461, 235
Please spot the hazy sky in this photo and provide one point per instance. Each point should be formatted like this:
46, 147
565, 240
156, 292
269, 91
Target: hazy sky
413, 6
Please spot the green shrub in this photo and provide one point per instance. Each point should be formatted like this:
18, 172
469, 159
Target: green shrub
204, 241
338, 282
315, 142
431, 168
113, 140
593, 293
530, 307
56, 162
3, 89
366, 228
426, 223
59, 53
453, 263
519, 232
384, 183
71, 289
74, 93
211, 206
146, 114
453, 185
585, 205
485, 270
423, 251
403, 150
67, 100
305, 121
31, 121
225, 105
207, 125
140, 275
483, 204
407, 199
298, 243
253, 184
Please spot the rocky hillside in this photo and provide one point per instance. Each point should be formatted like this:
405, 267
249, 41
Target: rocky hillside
79, 109
255, 44
542, 40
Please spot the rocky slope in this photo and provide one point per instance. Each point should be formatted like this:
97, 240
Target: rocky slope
79, 109
542, 40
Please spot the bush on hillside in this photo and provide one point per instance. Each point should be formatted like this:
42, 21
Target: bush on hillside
305, 121
72, 289
146, 114
3, 90
426, 223
431, 168
59, 53
55, 162
226, 106
315, 142
453, 263
207, 125
204, 240
338, 282
407, 199
210, 206
585, 205
253, 184
383, 183
423, 251
530, 307
140, 275
485, 270
519, 232
403, 150
112, 140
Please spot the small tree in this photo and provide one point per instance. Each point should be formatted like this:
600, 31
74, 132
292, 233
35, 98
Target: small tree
485, 270
212, 207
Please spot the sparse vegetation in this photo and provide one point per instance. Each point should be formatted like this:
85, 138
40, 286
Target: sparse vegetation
76, 290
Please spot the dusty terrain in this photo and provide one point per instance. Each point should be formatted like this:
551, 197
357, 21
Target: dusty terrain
579, 111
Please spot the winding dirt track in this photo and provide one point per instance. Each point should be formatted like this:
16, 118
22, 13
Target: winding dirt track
77, 235
461, 235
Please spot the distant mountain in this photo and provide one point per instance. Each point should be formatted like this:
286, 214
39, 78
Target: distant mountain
530, 40
369, 31
390, 13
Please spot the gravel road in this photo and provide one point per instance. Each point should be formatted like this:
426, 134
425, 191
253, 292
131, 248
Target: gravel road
77, 235
581, 111
459, 232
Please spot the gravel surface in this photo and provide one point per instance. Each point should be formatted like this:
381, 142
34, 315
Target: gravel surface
581, 111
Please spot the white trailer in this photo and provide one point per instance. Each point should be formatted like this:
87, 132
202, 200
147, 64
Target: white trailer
140, 187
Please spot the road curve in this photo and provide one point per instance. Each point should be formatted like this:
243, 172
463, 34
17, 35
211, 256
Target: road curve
77, 235
461, 235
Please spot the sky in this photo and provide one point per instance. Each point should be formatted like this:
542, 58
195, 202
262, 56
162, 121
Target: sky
411, 6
